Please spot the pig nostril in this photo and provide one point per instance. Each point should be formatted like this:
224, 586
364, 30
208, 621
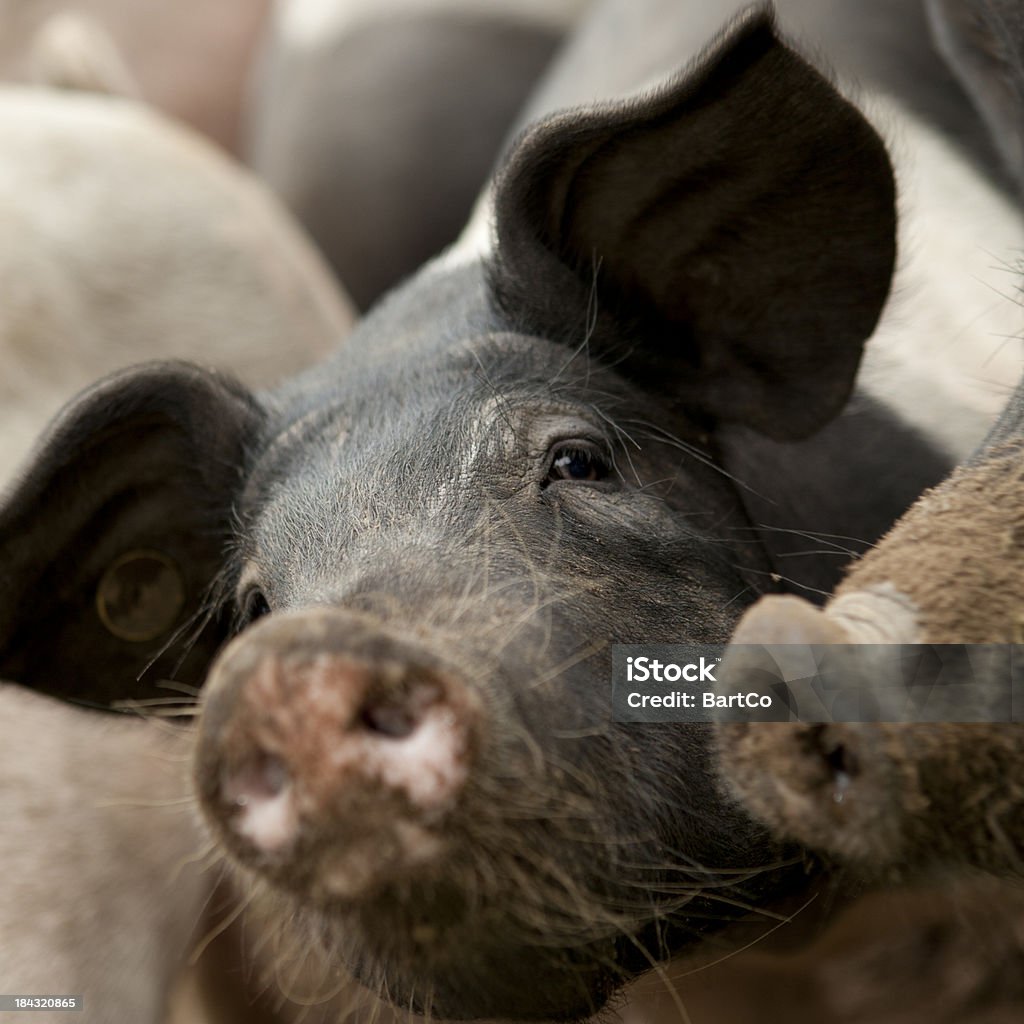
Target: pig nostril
261, 780
260, 806
842, 761
393, 721
396, 712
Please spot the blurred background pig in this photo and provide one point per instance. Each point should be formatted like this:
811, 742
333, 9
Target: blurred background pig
127, 237
189, 58
102, 857
377, 122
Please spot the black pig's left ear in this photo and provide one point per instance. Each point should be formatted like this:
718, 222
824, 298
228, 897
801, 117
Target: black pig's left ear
110, 541
738, 226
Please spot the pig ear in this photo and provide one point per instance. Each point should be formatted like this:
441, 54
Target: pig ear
737, 227
110, 541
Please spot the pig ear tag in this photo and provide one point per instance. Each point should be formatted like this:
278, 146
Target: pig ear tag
140, 596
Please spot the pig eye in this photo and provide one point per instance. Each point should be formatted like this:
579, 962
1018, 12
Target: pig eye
579, 461
253, 606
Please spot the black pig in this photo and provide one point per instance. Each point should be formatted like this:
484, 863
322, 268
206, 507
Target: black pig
513, 463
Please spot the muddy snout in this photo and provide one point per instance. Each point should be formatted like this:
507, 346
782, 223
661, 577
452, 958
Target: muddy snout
331, 755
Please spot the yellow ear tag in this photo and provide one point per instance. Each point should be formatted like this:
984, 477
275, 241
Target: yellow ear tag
140, 596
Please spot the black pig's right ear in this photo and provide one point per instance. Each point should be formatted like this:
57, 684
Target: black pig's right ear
737, 228
110, 541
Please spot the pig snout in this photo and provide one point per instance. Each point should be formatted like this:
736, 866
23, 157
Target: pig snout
332, 755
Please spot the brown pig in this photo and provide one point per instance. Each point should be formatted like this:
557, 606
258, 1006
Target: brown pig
889, 797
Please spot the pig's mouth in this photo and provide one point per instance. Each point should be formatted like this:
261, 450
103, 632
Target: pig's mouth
444, 950
482, 933
437, 955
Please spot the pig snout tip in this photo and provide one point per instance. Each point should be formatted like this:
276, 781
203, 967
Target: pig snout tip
331, 756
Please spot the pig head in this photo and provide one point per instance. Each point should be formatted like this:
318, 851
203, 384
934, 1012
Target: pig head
951, 571
424, 547
911, 796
